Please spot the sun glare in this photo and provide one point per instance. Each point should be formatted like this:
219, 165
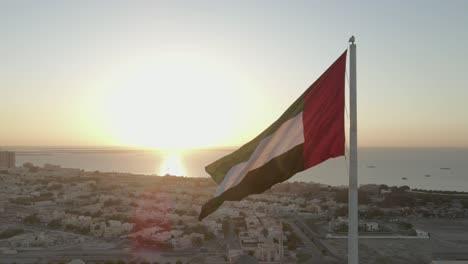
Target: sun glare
172, 165
183, 101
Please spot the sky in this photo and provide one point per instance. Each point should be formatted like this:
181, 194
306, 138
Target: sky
180, 74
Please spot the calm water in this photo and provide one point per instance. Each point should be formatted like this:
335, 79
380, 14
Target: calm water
376, 165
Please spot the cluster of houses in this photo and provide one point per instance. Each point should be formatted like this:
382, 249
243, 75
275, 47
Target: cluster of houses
262, 238
39, 240
169, 216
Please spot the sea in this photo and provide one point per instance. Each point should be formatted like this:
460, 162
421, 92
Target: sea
423, 168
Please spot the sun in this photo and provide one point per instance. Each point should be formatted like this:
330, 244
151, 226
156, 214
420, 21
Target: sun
180, 101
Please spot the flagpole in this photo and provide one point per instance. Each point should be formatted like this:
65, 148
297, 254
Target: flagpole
353, 218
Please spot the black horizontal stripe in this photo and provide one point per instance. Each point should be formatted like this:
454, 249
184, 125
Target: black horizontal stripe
259, 180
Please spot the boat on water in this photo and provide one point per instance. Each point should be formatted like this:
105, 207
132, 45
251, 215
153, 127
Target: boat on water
370, 166
404, 178
427, 175
445, 168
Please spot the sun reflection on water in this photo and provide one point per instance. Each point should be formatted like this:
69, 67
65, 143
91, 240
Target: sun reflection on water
172, 164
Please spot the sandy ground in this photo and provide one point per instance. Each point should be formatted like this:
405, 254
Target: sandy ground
449, 240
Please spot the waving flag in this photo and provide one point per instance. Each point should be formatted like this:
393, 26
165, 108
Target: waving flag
308, 133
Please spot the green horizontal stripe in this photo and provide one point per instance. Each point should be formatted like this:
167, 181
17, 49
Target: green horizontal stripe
220, 168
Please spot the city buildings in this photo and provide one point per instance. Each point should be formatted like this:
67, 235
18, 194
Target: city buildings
7, 159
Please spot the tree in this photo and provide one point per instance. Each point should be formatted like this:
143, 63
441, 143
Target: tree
55, 187
341, 211
31, 219
225, 226
56, 223
293, 242
209, 235
405, 225
399, 200
112, 202
403, 188
383, 187
373, 213
465, 204
265, 232
197, 241
364, 197
341, 196
10, 233
412, 232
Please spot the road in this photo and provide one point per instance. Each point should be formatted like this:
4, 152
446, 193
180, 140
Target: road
315, 237
47, 256
311, 248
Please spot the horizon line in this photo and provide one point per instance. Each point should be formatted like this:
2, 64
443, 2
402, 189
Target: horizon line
202, 148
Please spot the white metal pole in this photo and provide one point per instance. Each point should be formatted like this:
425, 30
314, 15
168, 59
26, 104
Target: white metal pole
353, 221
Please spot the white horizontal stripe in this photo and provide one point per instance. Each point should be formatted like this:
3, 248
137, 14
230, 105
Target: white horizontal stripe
288, 135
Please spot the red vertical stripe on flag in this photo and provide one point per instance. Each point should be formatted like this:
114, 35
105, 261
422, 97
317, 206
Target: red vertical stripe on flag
323, 116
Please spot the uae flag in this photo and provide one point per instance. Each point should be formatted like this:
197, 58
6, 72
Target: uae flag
308, 133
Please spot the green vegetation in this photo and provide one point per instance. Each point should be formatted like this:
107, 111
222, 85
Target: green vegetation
293, 241
119, 217
78, 229
398, 200
86, 197
439, 191
78, 212
201, 229
55, 187
112, 202
29, 200
197, 241
153, 243
342, 229
374, 213
465, 204
225, 226
404, 225
341, 211
411, 199
180, 212
303, 257
31, 219
55, 224
341, 196
10, 233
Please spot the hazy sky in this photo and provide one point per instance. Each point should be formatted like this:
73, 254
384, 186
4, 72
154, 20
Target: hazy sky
216, 73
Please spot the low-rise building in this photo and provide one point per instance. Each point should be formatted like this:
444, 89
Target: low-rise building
7, 159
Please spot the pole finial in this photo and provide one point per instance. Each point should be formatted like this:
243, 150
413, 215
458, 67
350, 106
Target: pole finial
351, 39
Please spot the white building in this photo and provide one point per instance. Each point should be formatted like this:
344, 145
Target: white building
371, 226
421, 233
